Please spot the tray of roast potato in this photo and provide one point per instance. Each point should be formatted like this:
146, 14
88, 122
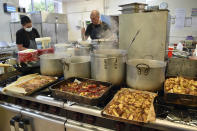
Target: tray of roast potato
132, 106
181, 90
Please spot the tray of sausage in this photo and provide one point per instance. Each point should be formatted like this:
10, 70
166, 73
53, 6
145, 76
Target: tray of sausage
81, 90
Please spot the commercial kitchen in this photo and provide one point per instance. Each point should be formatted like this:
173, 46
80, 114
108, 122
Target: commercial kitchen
98, 65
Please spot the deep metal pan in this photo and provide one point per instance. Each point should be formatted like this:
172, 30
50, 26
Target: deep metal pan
180, 99
56, 93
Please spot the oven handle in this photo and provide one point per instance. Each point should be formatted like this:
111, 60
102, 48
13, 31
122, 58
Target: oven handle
44, 116
78, 126
11, 107
75, 127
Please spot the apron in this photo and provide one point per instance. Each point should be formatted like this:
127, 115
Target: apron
97, 32
32, 43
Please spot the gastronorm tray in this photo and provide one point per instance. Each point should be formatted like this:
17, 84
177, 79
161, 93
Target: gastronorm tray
151, 115
42, 88
181, 99
56, 93
13, 89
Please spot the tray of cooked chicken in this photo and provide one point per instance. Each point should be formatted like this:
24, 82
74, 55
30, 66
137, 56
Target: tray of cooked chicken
132, 106
181, 90
81, 90
26, 85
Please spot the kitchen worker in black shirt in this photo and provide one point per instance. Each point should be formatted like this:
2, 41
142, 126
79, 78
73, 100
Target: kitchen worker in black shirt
25, 37
97, 29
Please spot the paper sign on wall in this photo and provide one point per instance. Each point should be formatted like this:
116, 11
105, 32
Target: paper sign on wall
194, 21
180, 18
194, 12
188, 21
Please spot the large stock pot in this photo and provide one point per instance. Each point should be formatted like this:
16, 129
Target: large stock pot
108, 65
76, 66
145, 74
50, 64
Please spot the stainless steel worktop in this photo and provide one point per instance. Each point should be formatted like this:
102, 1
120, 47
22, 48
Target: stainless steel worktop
95, 111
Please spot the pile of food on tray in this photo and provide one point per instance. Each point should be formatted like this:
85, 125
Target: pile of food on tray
28, 84
132, 105
84, 88
180, 85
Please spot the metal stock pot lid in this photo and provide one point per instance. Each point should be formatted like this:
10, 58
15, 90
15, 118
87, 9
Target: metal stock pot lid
109, 53
150, 63
77, 59
54, 56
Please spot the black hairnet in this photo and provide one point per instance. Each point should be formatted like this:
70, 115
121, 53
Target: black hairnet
25, 20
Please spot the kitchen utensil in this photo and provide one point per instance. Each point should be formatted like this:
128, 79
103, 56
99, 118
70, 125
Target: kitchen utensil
50, 64
133, 39
28, 55
145, 74
104, 44
45, 51
108, 65
78, 51
76, 66
62, 47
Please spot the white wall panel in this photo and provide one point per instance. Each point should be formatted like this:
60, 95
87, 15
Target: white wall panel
178, 34
5, 34
80, 9
112, 6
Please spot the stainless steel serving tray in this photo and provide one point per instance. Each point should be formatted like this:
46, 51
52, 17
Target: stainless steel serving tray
75, 97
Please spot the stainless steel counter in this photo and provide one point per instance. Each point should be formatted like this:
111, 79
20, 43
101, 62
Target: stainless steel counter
95, 111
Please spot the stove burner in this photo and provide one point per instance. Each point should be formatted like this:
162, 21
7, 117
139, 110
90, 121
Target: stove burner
175, 113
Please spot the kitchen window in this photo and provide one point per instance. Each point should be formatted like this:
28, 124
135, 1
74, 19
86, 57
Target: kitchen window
41, 5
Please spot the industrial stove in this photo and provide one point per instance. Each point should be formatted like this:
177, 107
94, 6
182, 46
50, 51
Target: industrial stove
42, 112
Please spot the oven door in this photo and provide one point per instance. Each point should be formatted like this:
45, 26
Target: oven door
7, 113
40, 121
71, 125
